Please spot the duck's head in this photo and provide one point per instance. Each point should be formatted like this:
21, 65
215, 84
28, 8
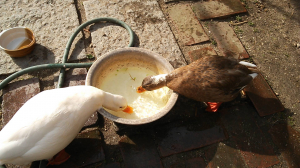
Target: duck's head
152, 83
117, 103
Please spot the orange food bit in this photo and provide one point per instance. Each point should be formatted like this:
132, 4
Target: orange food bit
140, 89
128, 110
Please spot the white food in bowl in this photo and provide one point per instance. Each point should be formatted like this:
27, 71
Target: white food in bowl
124, 82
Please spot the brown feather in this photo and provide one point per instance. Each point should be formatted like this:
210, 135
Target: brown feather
210, 79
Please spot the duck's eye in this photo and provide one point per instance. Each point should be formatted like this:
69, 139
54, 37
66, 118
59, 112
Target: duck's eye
121, 107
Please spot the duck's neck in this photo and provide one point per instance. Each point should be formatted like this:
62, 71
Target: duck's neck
159, 80
108, 100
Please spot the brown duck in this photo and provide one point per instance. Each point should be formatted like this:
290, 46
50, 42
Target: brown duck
210, 79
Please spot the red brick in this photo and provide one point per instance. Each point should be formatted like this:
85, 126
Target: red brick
263, 97
287, 140
228, 43
191, 31
140, 151
214, 9
16, 94
251, 155
181, 139
191, 163
248, 137
75, 77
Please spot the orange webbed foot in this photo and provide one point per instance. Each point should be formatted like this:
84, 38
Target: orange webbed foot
213, 106
59, 158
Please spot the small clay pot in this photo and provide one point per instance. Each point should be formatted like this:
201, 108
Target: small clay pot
17, 41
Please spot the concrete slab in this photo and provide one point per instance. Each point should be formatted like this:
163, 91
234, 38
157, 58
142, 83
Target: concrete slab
146, 20
196, 54
287, 140
182, 139
190, 29
111, 165
191, 163
263, 97
33, 165
223, 155
53, 22
140, 151
92, 121
215, 9
166, 1
73, 77
227, 41
16, 94
85, 149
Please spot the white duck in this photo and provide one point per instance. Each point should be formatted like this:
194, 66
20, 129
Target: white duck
49, 121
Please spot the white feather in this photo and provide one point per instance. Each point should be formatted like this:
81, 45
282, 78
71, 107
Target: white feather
159, 78
253, 75
248, 64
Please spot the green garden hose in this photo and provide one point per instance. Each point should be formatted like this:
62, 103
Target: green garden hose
64, 65
41, 67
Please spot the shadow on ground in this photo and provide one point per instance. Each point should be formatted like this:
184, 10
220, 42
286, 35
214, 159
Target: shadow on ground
188, 132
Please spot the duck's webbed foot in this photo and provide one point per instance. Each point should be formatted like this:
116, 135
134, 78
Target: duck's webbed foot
213, 106
59, 158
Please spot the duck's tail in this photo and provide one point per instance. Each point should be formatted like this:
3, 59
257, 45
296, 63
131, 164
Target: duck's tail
251, 67
248, 64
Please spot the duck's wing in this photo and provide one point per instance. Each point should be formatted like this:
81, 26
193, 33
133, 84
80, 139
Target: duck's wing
233, 81
229, 76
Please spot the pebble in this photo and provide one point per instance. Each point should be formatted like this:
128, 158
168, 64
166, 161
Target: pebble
298, 45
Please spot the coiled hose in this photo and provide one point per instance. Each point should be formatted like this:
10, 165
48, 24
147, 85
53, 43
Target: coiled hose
64, 65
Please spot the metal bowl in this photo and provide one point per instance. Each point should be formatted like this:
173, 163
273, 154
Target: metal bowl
17, 41
126, 57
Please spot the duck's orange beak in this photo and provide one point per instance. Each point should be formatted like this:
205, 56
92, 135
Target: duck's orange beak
128, 110
140, 89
